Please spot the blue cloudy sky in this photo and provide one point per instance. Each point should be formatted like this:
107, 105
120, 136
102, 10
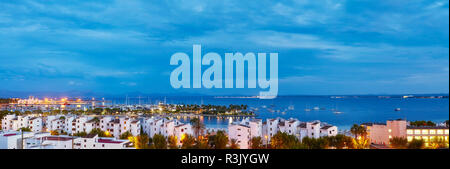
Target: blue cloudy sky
324, 46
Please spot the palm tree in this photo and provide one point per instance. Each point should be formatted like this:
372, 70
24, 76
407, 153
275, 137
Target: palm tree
220, 140
256, 143
198, 126
233, 144
358, 130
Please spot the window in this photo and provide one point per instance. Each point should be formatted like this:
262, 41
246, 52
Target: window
410, 138
440, 132
424, 131
390, 130
446, 131
432, 131
416, 131
409, 132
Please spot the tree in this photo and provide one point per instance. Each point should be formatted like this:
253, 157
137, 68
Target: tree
361, 143
142, 142
446, 123
99, 132
25, 129
233, 144
201, 144
358, 131
188, 142
284, 141
399, 142
80, 134
340, 141
159, 142
220, 140
126, 135
198, 126
422, 123
172, 142
438, 143
256, 143
315, 143
416, 144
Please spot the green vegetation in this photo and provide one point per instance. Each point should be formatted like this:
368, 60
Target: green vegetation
198, 127
416, 144
423, 123
358, 131
256, 143
159, 142
99, 132
7, 101
219, 141
142, 142
172, 140
438, 143
80, 134
399, 142
25, 129
233, 144
126, 135
285, 141
188, 142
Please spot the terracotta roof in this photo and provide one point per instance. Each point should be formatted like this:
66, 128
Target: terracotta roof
56, 138
109, 141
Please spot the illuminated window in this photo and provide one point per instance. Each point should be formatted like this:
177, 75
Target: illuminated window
432, 137
416, 131
440, 132
424, 131
390, 131
410, 138
409, 131
446, 131
425, 139
418, 137
432, 131
446, 138
390, 136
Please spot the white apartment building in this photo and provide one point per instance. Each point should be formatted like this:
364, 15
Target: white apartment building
13, 140
14, 123
95, 142
244, 131
119, 125
165, 127
314, 129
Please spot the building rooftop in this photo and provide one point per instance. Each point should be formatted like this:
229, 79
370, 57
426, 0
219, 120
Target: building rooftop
326, 127
426, 127
110, 141
57, 138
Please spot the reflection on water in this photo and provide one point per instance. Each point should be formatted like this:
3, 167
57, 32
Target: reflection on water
323, 108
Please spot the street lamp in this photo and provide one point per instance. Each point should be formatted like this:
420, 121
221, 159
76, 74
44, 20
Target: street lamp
267, 141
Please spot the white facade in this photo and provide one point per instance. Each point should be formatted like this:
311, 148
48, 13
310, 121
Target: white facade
244, 131
14, 123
